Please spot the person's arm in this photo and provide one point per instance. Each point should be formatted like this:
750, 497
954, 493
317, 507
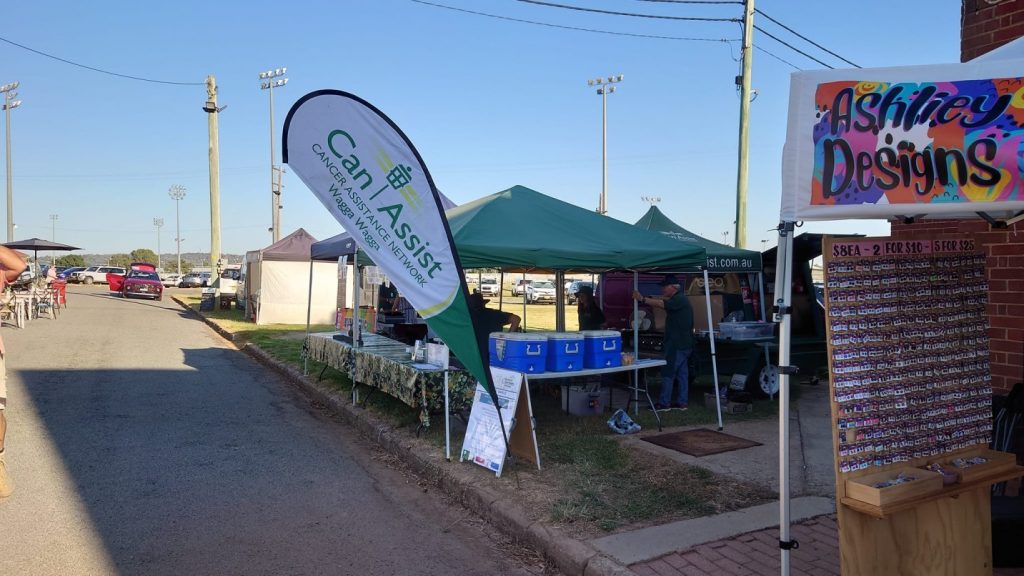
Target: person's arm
513, 322
12, 264
652, 301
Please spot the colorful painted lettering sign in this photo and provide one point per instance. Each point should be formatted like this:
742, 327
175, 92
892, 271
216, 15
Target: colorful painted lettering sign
918, 143
927, 140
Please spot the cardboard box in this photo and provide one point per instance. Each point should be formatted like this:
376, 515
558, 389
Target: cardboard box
728, 406
863, 487
700, 313
581, 401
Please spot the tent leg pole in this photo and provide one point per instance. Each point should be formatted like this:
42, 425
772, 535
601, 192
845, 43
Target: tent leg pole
636, 347
356, 289
447, 422
523, 328
711, 339
309, 308
784, 292
760, 289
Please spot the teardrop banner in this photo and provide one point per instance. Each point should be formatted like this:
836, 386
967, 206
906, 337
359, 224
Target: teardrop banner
369, 176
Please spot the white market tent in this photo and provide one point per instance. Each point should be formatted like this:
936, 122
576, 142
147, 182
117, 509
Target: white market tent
808, 182
281, 280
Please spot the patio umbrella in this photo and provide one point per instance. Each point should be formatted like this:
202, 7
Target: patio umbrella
37, 244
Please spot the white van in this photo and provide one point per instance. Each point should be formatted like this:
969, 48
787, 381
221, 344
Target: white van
229, 277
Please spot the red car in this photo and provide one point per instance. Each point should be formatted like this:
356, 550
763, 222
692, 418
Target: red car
141, 281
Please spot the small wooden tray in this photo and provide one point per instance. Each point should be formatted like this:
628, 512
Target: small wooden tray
863, 487
997, 462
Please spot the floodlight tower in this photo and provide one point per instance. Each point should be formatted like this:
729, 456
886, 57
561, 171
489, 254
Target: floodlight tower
604, 87
177, 192
268, 81
10, 103
158, 222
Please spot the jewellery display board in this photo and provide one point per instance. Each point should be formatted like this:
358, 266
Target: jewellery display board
908, 350
910, 386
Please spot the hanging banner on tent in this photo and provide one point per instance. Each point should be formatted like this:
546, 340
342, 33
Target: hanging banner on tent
905, 141
367, 174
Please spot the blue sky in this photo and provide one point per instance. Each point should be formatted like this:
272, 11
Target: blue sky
489, 103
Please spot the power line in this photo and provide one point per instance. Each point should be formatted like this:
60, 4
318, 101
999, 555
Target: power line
790, 46
59, 59
632, 14
695, 1
576, 28
756, 47
802, 37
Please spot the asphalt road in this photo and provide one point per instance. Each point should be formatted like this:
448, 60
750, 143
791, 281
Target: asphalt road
140, 442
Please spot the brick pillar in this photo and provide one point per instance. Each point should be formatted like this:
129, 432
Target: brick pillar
987, 25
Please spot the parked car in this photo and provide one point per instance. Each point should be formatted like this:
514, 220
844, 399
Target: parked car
574, 288
195, 280
489, 287
541, 291
229, 278
96, 274
170, 279
519, 288
66, 273
141, 281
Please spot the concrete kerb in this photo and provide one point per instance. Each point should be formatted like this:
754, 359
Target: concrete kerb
571, 556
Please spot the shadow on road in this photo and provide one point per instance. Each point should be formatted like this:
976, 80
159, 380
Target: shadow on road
181, 463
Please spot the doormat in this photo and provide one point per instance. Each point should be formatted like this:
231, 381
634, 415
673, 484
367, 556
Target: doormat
700, 442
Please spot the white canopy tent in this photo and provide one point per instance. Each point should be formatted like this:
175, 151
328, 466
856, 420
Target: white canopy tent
945, 111
281, 275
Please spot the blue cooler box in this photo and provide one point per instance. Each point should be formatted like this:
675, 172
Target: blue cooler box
601, 348
565, 351
522, 352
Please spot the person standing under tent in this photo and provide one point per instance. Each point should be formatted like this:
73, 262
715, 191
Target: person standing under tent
590, 315
11, 266
678, 342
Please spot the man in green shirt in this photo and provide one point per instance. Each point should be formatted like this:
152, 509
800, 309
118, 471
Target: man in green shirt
678, 342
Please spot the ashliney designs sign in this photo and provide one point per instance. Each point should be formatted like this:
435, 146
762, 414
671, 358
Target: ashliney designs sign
371, 179
903, 142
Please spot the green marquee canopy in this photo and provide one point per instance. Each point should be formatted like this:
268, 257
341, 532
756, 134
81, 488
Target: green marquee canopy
522, 229
721, 258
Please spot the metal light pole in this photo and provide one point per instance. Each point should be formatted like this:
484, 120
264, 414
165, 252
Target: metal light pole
158, 222
177, 192
268, 81
604, 88
53, 237
9, 104
725, 237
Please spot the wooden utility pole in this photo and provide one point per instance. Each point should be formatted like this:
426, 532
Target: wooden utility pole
212, 111
743, 164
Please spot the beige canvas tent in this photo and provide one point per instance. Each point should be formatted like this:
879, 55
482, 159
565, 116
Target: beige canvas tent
277, 283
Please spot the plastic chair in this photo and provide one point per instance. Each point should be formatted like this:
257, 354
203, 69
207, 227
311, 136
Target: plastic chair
62, 292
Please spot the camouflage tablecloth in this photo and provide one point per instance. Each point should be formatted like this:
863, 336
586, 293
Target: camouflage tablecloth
384, 364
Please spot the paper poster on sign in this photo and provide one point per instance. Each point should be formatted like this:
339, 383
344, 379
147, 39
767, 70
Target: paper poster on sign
888, 142
484, 444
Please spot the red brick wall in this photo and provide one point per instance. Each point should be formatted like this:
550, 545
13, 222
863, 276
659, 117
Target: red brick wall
989, 24
1005, 270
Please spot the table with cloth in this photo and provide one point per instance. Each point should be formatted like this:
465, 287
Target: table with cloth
385, 364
